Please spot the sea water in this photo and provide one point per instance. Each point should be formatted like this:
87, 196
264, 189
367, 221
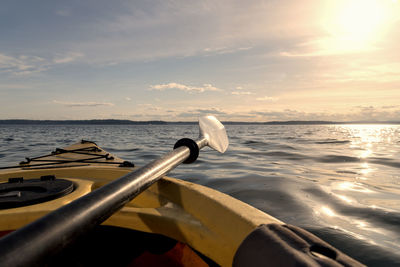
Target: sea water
341, 182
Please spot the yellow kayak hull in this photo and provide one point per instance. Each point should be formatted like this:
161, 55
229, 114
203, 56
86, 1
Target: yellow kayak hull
209, 221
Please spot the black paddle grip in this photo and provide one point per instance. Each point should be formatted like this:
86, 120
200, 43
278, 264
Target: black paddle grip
193, 147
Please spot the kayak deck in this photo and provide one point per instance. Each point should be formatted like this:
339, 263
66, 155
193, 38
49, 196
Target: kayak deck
209, 221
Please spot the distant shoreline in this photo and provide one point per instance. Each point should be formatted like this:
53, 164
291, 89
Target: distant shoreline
156, 122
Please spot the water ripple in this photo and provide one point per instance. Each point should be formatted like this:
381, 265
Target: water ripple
339, 181
337, 159
334, 141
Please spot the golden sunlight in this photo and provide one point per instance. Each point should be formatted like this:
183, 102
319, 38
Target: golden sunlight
328, 211
356, 25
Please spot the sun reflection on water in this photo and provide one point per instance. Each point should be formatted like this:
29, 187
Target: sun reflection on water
328, 211
367, 136
350, 186
365, 169
367, 143
346, 199
362, 189
338, 220
366, 153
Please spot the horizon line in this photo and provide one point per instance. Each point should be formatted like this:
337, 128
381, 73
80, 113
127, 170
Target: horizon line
127, 122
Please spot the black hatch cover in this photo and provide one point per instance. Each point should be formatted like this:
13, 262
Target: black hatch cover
18, 192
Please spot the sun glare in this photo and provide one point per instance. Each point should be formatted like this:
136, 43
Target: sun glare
356, 25
360, 19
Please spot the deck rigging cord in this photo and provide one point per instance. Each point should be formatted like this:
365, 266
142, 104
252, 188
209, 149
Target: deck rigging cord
82, 151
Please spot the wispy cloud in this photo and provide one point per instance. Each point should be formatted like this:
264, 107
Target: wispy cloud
242, 93
140, 31
67, 58
27, 64
355, 113
267, 98
22, 64
289, 114
375, 113
83, 104
239, 91
324, 47
186, 88
201, 112
225, 50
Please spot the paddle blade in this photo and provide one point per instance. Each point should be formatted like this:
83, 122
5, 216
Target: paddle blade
215, 133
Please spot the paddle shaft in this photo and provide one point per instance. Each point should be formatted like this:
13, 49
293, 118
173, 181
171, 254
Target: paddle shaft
32, 244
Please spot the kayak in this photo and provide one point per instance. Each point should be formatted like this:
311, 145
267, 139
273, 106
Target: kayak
171, 223
206, 225
181, 210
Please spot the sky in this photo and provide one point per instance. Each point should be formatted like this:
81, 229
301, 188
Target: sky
254, 60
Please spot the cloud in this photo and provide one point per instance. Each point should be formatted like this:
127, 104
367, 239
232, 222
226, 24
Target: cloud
136, 31
211, 110
356, 113
201, 112
391, 107
225, 50
375, 113
128, 98
242, 93
295, 115
267, 98
22, 64
27, 64
83, 104
319, 48
69, 57
131, 31
186, 88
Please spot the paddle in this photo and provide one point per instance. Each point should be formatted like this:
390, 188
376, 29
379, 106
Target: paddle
31, 244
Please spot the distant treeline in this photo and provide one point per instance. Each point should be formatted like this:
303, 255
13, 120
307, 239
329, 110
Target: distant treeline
129, 122
80, 122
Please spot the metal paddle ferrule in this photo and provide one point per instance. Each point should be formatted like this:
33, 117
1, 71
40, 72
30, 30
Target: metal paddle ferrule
31, 244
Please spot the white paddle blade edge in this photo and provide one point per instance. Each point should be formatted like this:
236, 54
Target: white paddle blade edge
213, 130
